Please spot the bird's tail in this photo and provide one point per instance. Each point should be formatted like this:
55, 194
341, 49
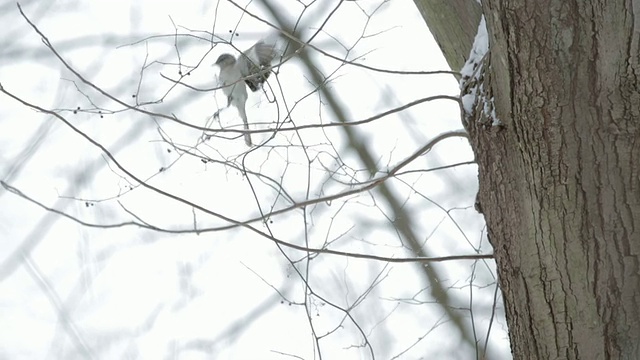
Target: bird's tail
247, 136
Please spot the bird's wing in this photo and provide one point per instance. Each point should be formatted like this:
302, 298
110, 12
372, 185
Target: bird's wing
256, 58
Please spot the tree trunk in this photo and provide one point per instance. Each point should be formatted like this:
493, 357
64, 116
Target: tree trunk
560, 179
453, 24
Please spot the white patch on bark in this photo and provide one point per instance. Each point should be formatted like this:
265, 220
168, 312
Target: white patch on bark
472, 80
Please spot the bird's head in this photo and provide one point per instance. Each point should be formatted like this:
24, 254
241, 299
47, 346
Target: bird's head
225, 60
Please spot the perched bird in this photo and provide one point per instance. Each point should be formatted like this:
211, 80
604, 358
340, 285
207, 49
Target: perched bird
251, 68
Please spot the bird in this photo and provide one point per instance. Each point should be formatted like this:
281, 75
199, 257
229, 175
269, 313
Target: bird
251, 69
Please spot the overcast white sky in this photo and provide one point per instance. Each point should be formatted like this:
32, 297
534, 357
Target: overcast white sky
71, 291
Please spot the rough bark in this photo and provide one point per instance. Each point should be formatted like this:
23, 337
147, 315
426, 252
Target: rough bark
560, 181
